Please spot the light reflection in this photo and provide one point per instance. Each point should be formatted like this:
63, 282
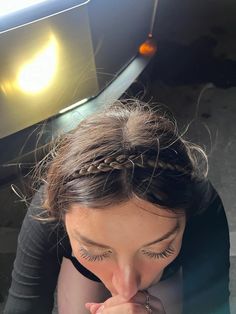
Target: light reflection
38, 73
78, 103
10, 6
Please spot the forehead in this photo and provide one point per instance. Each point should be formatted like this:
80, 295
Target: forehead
135, 207
133, 219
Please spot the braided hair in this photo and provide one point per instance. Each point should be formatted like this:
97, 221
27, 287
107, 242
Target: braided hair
126, 149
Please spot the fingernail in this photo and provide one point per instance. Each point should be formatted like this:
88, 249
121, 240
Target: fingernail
99, 311
88, 305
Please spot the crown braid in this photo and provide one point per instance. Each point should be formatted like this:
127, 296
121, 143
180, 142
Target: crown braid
125, 162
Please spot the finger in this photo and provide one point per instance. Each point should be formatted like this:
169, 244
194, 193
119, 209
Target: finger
140, 298
135, 308
116, 300
93, 307
100, 309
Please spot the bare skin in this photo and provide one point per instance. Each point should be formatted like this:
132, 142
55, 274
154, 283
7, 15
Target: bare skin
124, 256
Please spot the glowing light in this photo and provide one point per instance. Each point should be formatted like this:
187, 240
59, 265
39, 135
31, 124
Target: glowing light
38, 73
6, 87
9, 6
74, 105
148, 48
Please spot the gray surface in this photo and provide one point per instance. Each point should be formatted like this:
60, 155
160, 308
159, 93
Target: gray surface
233, 243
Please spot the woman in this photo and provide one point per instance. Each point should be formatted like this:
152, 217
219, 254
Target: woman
126, 222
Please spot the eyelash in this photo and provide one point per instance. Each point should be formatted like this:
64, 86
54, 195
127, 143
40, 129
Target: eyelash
93, 258
165, 254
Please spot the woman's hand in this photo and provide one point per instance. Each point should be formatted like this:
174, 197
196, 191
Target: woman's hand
136, 305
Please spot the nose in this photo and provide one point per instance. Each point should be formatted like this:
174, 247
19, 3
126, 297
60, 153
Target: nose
126, 281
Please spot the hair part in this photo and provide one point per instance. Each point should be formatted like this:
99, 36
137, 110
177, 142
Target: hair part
127, 149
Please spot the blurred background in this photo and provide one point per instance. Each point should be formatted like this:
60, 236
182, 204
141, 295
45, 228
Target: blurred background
60, 61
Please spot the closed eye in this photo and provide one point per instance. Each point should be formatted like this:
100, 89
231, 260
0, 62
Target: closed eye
164, 254
100, 257
93, 257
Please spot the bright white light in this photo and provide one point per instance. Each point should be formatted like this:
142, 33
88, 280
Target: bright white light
9, 6
83, 101
38, 73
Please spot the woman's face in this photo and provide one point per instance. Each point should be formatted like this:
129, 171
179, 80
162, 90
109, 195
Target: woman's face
126, 246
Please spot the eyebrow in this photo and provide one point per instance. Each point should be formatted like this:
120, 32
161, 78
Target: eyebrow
103, 246
165, 236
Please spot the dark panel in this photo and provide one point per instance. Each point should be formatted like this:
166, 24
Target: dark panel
117, 29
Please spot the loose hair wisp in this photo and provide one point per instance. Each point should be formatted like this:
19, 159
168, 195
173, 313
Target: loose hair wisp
126, 149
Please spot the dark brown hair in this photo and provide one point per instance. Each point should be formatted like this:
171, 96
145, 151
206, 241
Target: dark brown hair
126, 149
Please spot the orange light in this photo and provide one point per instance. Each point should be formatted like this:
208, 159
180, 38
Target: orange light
148, 48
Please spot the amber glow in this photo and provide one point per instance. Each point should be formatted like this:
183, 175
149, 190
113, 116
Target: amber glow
148, 48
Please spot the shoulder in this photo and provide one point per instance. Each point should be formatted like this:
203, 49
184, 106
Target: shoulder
209, 226
205, 256
211, 204
51, 233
